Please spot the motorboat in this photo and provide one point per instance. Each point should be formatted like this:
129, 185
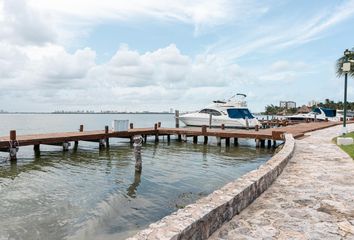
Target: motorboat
233, 113
318, 114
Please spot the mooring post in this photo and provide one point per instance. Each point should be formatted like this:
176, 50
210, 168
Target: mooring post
227, 142
13, 148
269, 143
210, 120
36, 147
195, 139
235, 141
138, 142
205, 140
262, 143
177, 118
145, 138
222, 126
179, 138
168, 138
131, 125
76, 143
159, 124
106, 131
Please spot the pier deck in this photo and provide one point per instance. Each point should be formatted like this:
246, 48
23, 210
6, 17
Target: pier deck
297, 130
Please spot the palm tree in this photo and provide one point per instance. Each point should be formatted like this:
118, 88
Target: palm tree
340, 62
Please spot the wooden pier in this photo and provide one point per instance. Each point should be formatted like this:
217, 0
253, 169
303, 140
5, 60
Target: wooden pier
12, 142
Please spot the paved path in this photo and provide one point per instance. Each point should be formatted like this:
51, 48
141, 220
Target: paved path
312, 199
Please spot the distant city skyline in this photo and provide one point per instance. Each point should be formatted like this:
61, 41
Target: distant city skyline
155, 55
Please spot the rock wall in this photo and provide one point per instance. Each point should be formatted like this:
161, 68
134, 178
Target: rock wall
201, 219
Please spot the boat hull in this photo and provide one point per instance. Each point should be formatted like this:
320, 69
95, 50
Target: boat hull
218, 121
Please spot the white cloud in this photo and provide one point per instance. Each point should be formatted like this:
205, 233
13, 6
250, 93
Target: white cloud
50, 74
23, 25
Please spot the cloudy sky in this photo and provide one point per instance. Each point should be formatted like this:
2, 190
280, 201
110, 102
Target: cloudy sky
162, 54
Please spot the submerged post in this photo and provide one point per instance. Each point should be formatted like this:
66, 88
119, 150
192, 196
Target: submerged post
177, 118
13, 148
138, 141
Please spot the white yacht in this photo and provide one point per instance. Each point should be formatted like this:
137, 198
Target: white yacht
232, 113
318, 114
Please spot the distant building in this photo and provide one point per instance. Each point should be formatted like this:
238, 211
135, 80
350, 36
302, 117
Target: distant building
312, 103
287, 104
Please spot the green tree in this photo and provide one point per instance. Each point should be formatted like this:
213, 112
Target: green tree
340, 62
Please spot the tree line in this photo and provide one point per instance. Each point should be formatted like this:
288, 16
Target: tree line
276, 110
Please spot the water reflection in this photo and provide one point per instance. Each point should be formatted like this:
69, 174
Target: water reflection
56, 194
131, 191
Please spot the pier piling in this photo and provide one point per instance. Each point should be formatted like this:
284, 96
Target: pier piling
235, 141
13, 148
106, 131
138, 140
177, 118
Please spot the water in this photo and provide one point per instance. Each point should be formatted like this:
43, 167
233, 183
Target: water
92, 194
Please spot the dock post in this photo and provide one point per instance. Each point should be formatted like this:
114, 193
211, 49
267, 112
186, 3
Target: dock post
106, 131
210, 120
235, 141
256, 128
168, 138
138, 140
195, 139
222, 126
262, 143
159, 124
145, 138
156, 134
36, 148
131, 125
177, 118
218, 141
269, 144
205, 140
227, 142
76, 143
13, 148
179, 138
274, 143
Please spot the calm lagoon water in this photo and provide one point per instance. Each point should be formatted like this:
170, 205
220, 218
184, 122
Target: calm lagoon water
93, 194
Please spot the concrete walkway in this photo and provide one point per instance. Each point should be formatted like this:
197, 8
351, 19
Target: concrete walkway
312, 199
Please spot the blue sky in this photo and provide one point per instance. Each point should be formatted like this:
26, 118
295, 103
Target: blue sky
157, 55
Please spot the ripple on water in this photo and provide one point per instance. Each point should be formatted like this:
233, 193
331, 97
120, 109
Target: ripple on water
91, 194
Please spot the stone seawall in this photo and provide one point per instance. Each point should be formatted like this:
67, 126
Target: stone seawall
201, 219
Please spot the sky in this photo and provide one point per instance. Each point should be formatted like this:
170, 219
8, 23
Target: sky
155, 55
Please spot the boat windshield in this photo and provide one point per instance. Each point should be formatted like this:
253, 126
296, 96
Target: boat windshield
327, 111
239, 113
211, 111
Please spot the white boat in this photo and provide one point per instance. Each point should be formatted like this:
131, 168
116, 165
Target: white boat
318, 114
232, 113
